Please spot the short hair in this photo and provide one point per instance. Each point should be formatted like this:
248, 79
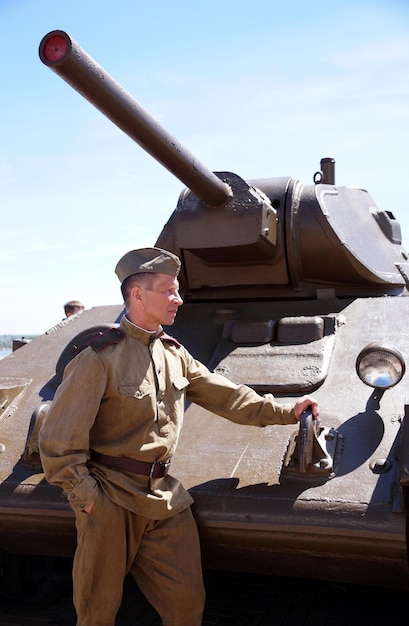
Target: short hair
144, 280
72, 307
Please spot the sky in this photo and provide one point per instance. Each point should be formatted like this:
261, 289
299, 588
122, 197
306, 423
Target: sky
262, 89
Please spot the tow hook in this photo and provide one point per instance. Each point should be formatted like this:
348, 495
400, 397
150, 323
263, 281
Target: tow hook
311, 450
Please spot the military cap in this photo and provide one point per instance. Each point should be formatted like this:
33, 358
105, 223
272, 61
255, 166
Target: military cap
153, 260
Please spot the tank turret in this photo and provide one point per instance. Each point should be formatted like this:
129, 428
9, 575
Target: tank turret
255, 238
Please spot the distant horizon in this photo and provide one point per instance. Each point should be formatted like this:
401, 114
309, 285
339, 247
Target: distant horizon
6, 340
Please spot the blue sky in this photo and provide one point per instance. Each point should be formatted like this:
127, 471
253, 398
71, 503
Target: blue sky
260, 88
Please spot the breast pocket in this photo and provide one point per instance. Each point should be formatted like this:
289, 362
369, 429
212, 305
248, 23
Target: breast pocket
180, 383
179, 386
135, 391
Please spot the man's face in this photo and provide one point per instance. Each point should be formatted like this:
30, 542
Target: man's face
159, 302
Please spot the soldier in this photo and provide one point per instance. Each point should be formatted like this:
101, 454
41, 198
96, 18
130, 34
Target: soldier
109, 438
72, 307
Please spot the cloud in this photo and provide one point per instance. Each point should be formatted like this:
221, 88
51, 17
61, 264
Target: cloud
380, 53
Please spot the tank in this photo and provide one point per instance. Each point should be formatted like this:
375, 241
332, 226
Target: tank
290, 288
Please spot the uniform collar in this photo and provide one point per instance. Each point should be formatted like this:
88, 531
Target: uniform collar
136, 332
145, 336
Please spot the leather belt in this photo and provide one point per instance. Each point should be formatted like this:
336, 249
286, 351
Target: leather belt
124, 463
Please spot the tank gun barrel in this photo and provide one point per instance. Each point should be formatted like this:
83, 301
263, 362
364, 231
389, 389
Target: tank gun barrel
66, 58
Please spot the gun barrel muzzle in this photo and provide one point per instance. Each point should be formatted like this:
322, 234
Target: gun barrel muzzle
65, 57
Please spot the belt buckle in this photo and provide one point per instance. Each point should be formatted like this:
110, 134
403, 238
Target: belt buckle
165, 467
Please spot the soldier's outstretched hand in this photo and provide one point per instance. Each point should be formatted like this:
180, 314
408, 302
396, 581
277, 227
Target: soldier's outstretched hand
304, 403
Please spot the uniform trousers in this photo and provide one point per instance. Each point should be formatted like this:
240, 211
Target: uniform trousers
163, 556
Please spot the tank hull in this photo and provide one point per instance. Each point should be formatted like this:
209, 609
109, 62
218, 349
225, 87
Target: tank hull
349, 526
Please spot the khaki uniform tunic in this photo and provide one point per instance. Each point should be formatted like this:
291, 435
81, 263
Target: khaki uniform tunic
128, 400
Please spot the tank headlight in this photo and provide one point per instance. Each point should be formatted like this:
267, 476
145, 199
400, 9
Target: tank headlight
380, 366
